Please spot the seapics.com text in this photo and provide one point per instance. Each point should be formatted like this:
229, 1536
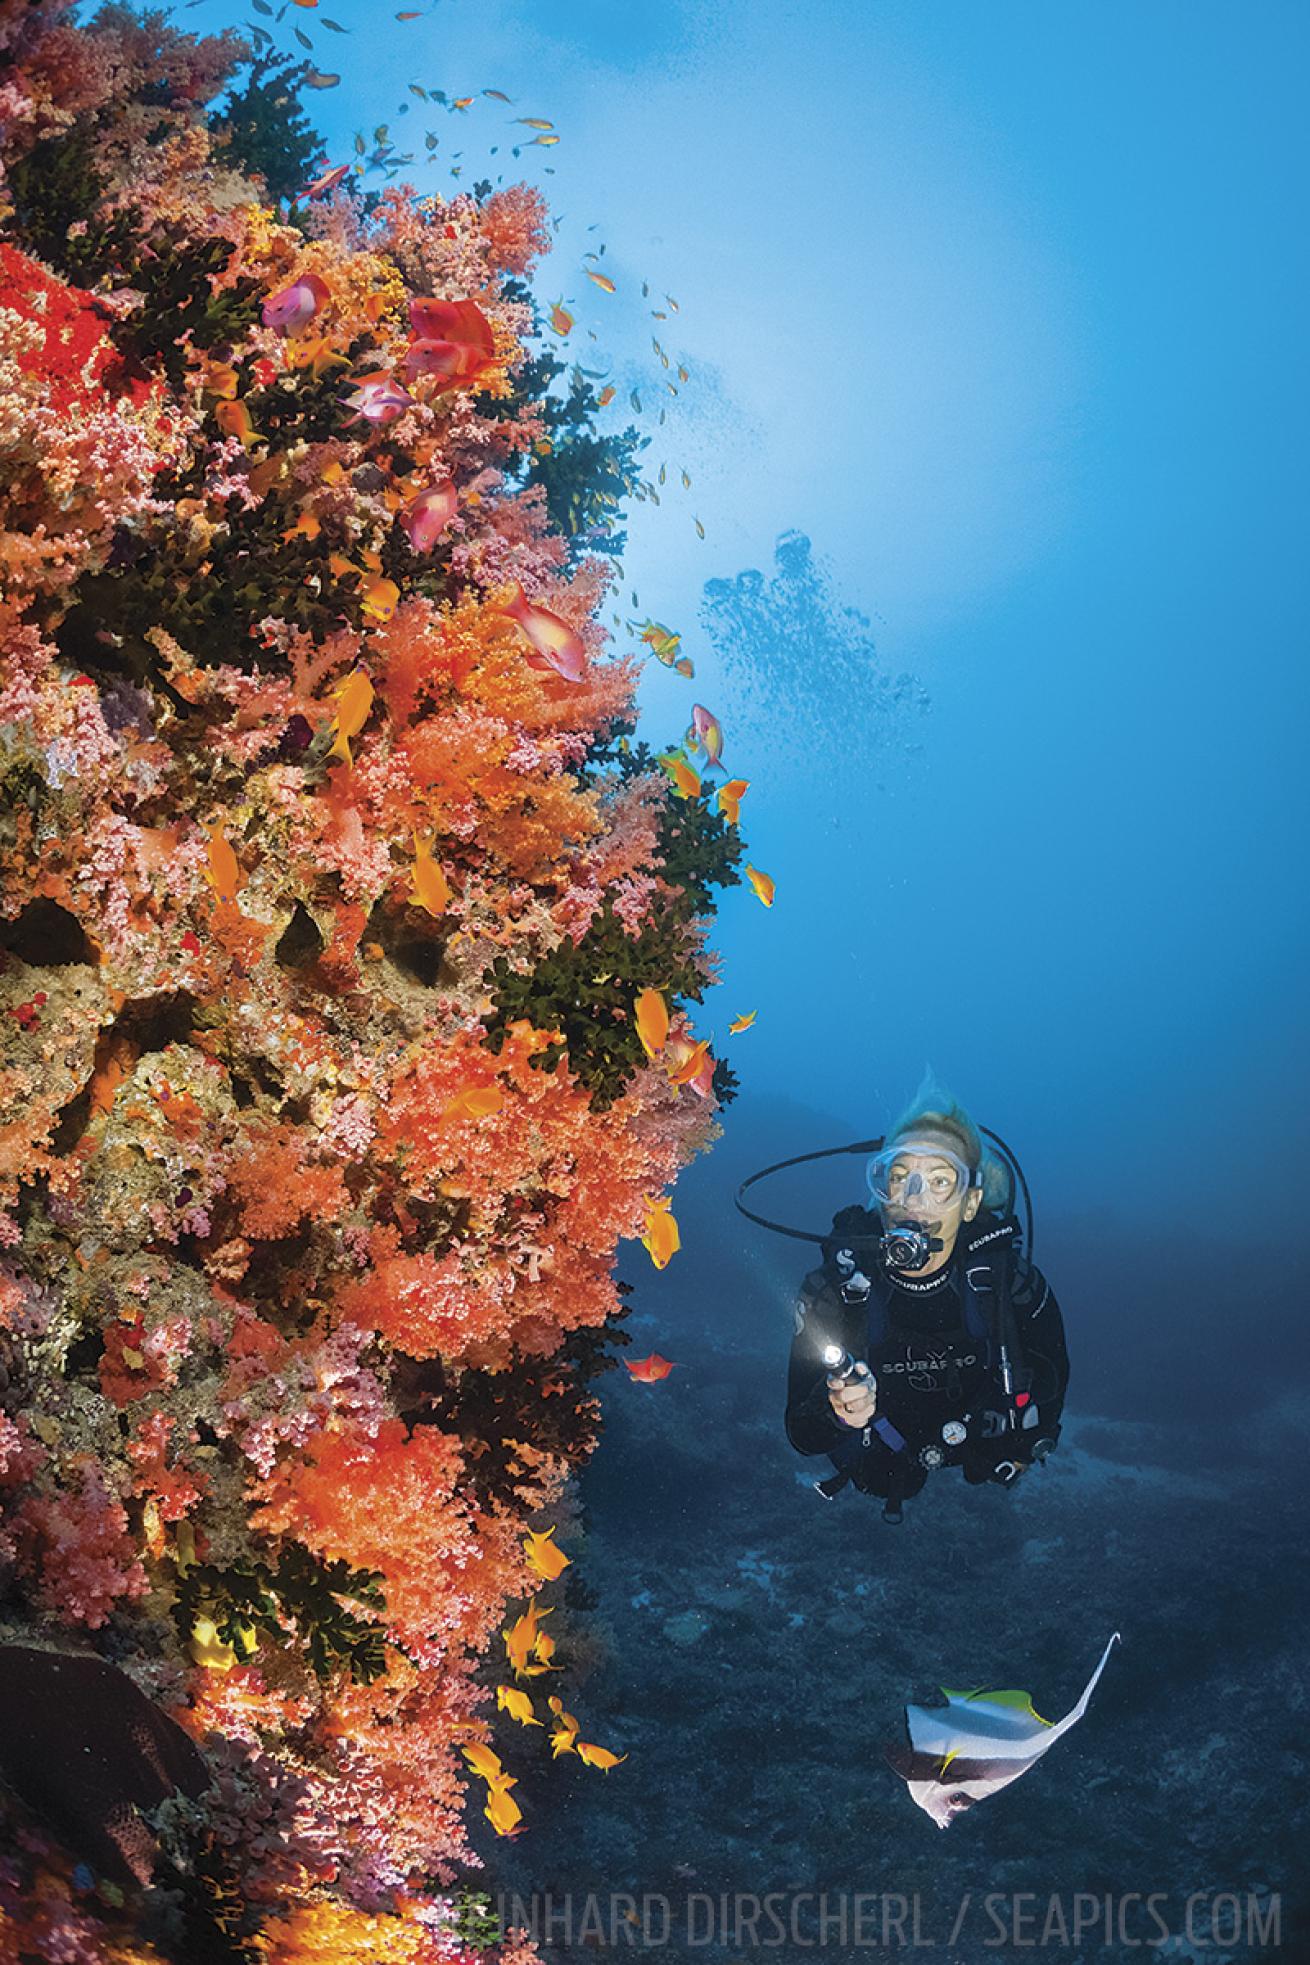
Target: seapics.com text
878, 1920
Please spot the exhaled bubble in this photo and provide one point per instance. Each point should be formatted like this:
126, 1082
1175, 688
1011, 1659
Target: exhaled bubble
797, 656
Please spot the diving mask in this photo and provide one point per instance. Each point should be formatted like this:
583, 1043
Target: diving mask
919, 1176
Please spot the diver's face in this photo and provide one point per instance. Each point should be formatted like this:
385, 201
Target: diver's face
924, 1186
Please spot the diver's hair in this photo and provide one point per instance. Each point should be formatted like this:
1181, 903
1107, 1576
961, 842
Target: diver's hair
932, 1105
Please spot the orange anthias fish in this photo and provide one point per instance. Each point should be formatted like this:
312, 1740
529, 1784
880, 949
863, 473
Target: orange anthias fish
560, 318
606, 396
476, 1102
686, 781
502, 1811
742, 1023
561, 1740
556, 645
691, 1067
223, 873
431, 888
517, 1704
663, 641
730, 797
680, 1052
485, 1761
762, 885
661, 1237
355, 700
546, 1559
543, 1648
379, 599
521, 1637
598, 1756
647, 1370
602, 280
652, 1021
233, 419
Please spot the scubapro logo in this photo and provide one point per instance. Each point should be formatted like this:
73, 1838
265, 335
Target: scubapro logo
936, 1362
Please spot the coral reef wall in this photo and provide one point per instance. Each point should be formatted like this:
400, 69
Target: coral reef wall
331, 884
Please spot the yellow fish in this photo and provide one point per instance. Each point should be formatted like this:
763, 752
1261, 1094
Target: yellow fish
355, 695
682, 1074
730, 797
233, 419
762, 885
379, 599
546, 1559
307, 526
208, 1648
521, 1638
502, 1811
544, 1648
431, 888
485, 1761
661, 1238
742, 1023
184, 1539
517, 1704
598, 1756
477, 1102
686, 781
222, 873
652, 1021
561, 1741
602, 280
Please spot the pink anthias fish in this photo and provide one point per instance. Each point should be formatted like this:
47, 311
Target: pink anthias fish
708, 732
557, 646
428, 515
295, 306
454, 340
378, 399
327, 182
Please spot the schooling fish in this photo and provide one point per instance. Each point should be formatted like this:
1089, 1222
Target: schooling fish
742, 1023
648, 1370
556, 645
661, 1237
426, 517
355, 700
546, 1559
976, 1744
729, 798
378, 399
762, 884
327, 182
517, 1704
502, 1811
223, 872
431, 888
686, 781
708, 732
598, 1756
295, 306
652, 1021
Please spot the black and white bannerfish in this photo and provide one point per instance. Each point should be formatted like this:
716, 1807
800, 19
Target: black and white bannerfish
976, 1744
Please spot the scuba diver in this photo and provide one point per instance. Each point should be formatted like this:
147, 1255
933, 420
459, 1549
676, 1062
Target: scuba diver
926, 1338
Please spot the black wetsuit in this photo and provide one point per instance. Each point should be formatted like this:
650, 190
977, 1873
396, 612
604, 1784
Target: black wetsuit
930, 1343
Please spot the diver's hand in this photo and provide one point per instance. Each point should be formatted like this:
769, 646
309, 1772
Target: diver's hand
854, 1400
